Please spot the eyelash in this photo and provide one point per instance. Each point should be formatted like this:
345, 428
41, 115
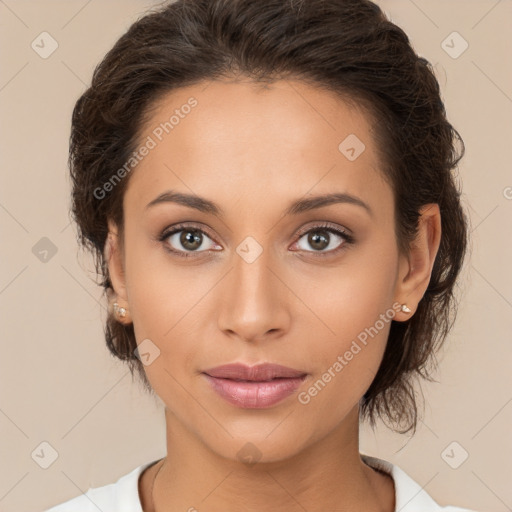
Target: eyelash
349, 239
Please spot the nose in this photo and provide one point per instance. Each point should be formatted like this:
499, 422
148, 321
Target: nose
254, 301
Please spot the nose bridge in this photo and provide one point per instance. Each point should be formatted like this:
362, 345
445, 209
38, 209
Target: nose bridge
252, 304
251, 270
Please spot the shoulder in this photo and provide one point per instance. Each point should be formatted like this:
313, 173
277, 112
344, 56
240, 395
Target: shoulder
409, 495
120, 495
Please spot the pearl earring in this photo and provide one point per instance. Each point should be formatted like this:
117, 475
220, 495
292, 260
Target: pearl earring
405, 309
120, 311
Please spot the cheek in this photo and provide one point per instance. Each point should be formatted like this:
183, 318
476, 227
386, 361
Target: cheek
156, 292
350, 298
354, 304
164, 304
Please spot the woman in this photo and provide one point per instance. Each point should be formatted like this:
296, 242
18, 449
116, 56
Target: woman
267, 188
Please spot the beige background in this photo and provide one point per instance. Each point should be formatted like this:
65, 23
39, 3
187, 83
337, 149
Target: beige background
58, 382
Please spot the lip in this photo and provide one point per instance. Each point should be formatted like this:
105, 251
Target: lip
259, 372
254, 387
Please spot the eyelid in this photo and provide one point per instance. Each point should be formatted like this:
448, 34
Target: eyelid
324, 225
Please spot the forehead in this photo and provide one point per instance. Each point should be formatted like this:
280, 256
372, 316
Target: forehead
238, 139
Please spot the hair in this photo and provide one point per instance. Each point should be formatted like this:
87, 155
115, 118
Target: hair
348, 47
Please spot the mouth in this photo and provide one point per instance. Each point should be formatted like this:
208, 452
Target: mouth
255, 387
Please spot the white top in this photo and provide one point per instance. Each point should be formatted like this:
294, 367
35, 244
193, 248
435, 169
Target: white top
123, 495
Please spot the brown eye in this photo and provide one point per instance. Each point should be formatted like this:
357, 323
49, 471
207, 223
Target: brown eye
318, 239
324, 240
191, 239
185, 240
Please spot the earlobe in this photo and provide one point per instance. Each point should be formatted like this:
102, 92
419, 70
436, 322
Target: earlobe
418, 266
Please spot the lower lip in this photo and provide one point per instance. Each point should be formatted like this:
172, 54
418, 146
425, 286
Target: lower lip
254, 395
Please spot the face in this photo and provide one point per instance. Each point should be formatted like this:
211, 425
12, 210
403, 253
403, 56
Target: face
311, 289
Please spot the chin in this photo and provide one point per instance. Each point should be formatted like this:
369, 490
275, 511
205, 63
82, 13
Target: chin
275, 444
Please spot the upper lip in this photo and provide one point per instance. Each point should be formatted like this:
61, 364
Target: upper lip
260, 372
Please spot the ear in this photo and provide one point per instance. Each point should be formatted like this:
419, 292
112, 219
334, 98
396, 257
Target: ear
115, 263
415, 269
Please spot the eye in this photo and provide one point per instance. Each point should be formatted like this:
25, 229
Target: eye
185, 239
321, 238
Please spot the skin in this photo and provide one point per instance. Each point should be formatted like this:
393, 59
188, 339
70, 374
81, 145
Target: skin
253, 150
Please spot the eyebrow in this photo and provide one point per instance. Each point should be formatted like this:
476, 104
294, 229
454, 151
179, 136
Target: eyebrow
301, 205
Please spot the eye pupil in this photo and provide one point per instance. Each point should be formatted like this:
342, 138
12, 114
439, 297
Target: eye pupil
191, 236
318, 242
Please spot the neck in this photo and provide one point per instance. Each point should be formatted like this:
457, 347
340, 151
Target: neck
328, 474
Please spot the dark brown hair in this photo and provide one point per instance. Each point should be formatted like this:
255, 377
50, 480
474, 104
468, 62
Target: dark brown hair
346, 46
